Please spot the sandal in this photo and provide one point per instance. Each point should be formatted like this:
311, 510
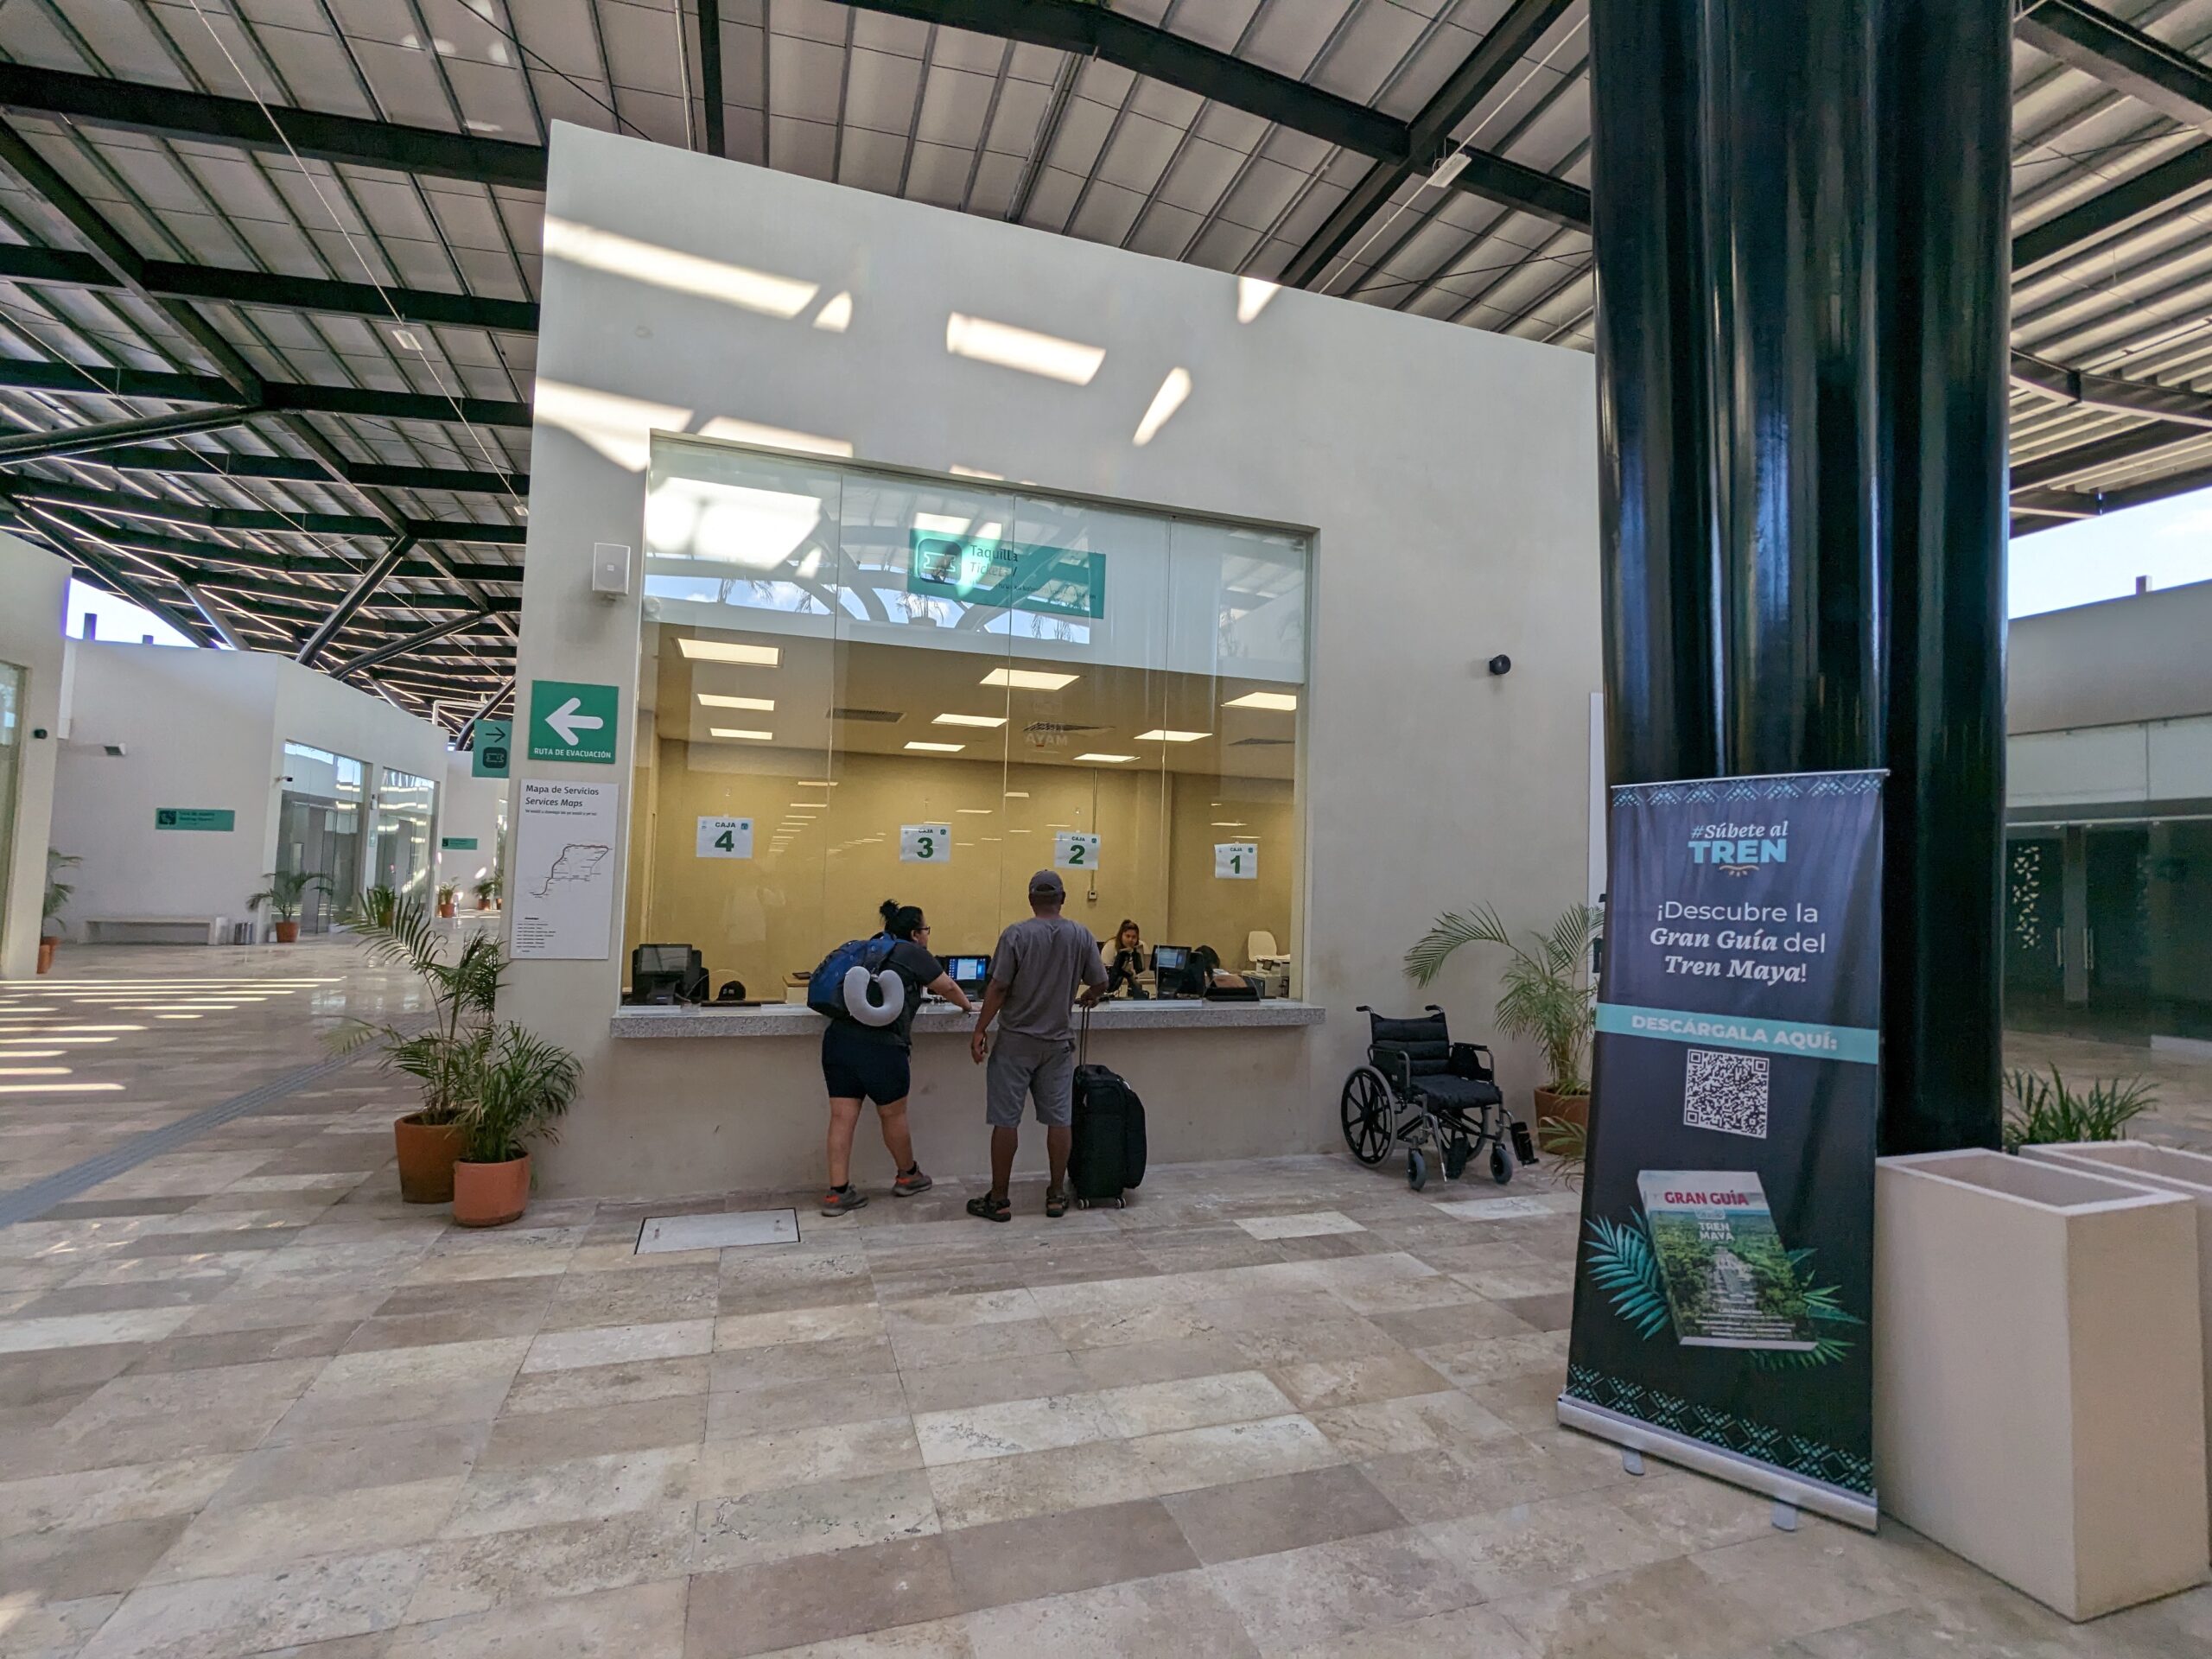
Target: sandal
990, 1208
1056, 1203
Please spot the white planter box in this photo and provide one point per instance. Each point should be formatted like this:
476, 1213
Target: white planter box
2038, 1375
2169, 1169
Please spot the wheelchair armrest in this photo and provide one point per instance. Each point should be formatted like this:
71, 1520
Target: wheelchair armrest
1473, 1060
1396, 1067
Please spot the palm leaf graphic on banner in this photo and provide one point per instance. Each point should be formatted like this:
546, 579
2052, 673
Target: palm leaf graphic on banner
1623, 1264
1822, 1305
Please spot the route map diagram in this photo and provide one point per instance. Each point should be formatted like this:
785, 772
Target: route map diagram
565, 837
580, 861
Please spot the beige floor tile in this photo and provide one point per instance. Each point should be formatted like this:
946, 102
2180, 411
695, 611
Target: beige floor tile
819, 1598
372, 1390
71, 1566
1129, 1363
773, 1524
740, 1369
532, 1440
624, 1383
221, 1618
986, 1382
1176, 1613
582, 1489
609, 1344
797, 1457
1230, 1452
1320, 1383
1296, 1598
1555, 1541
243, 1538
922, 1345
1663, 1607
1038, 1483
333, 1465
937, 1638
49, 1630
88, 1330
1280, 1512
774, 1407
1194, 1402
561, 1559
1016, 1426
1416, 1422
643, 1621
1476, 1632
98, 1497
849, 1321
177, 1414
1074, 1549
1114, 1327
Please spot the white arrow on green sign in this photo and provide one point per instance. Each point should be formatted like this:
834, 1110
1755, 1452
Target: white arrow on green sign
572, 720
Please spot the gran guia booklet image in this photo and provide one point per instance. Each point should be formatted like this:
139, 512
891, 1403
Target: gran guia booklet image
1730, 1282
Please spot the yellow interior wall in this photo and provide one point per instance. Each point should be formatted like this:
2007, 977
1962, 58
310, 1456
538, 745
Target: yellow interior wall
760, 918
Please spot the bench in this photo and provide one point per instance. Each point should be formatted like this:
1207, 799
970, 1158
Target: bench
156, 930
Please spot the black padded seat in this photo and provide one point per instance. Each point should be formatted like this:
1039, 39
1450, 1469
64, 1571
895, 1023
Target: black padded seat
1468, 1094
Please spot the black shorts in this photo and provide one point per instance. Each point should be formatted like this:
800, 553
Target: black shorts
858, 1066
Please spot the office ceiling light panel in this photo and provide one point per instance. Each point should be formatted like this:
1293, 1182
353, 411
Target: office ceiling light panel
729, 651
743, 733
1028, 679
1280, 702
716, 700
1106, 759
1161, 735
938, 748
969, 719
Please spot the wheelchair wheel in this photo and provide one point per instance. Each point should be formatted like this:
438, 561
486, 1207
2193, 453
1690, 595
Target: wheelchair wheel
1365, 1109
1501, 1167
1416, 1169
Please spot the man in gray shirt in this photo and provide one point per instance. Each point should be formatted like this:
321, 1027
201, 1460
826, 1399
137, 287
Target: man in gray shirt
1041, 967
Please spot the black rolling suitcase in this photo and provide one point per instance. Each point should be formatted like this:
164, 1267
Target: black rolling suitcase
1106, 1155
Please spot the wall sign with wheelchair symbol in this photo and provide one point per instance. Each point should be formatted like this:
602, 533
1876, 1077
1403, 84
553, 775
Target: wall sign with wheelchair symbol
1236, 861
1072, 850
725, 838
925, 843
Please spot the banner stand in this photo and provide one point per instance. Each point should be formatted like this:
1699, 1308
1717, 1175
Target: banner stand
1818, 1497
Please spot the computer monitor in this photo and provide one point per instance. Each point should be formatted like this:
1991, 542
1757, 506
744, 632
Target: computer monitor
968, 971
1171, 967
674, 972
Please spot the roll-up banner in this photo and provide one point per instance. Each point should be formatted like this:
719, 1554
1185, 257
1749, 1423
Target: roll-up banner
1726, 1265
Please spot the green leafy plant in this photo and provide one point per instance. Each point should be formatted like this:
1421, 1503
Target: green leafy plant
488, 888
524, 1085
1547, 996
447, 1056
1824, 1310
287, 890
447, 892
2048, 1111
1567, 1143
58, 892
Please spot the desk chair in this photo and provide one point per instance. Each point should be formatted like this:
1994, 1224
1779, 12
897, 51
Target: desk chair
1268, 962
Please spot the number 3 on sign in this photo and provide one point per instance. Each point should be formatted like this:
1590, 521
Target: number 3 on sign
725, 838
924, 843
1074, 851
1236, 861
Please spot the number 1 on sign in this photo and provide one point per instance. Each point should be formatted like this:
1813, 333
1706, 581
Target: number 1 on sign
1236, 861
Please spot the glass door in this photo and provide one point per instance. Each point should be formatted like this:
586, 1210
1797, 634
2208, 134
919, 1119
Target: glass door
2035, 950
2117, 939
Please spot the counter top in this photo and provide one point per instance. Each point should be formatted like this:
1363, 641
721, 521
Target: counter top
783, 1019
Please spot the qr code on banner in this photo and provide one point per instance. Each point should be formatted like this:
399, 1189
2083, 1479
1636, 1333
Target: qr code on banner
1725, 1092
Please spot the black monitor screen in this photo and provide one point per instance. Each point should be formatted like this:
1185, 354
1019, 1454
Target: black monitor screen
1170, 956
662, 959
968, 970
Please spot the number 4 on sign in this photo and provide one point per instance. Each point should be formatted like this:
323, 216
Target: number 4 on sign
725, 838
924, 843
1236, 861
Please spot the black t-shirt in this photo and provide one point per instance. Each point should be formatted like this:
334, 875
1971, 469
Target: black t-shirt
918, 968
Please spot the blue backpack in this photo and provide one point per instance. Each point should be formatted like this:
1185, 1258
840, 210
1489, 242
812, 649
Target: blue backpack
852, 983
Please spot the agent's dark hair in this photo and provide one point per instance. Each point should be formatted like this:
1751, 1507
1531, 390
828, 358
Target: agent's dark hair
1127, 926
1207, 958
900, 921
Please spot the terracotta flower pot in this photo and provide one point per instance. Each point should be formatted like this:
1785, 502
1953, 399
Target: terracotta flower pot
428, 1152
446, 910
46, 953
483, 904
1572, 1109
287, 933
491, 1195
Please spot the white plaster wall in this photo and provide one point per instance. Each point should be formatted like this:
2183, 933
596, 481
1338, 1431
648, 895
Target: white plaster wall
34, 595
1450, 476
469, 806
201, 728
2139, 659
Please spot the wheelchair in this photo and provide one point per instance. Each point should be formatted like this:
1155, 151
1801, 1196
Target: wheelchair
1438, 1099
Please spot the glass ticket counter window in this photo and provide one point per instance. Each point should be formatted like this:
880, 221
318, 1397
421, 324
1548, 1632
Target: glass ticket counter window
399, 855
319, 829
857, 686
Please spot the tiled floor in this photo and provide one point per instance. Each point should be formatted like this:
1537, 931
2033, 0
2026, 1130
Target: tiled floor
249, 1403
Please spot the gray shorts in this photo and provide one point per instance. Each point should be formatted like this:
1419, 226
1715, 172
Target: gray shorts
1041, 1068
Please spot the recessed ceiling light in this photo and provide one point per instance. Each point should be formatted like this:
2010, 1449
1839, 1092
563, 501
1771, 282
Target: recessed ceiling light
805, 806
1106, 759
716, 700
1229, 823
813, 782
740, 731
1280, 702
1017, 794
939, 748
969, 719
1028, 679
1161, 735
975, 811
728, 651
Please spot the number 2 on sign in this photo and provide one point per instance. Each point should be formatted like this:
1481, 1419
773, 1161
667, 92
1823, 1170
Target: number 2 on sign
1074, 850
1236, 861
924, 843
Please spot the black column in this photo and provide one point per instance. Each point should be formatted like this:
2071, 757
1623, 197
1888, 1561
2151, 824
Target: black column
1799, 217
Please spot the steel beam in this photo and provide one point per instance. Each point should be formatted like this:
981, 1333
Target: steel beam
260, 521
357, 596
401, 647
344, 139
167, 280
71, 380
107, 568
2113, 391
710, 74
1094, 31
88, 440
2123, 207
2125, 59
2131, 445
215, 464
1428, 136
2061, 505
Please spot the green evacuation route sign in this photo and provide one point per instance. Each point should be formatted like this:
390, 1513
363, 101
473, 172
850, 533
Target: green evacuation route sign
572, 720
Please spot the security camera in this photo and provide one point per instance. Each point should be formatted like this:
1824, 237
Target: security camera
115, 750
1501, 664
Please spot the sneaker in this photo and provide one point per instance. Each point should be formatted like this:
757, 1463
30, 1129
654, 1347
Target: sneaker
834, 1203
912, 1182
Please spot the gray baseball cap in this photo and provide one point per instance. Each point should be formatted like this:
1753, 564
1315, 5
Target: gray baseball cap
1046, 884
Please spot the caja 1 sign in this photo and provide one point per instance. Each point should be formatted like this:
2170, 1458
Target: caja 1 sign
1236, 861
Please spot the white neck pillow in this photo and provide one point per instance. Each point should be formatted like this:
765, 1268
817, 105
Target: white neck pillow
858, 1003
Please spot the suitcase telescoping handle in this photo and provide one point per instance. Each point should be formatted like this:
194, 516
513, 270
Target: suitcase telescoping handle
1083, 1037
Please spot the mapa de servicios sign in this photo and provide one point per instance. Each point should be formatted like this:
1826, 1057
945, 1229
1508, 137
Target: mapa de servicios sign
1726, 1265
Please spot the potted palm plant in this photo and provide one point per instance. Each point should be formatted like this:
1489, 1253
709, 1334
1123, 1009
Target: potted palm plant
487, 890
1546, 995
58, 893
286, 892
523, 1085
445, 1054
448, 893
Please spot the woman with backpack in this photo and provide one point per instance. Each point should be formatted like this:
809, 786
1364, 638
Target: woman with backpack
870, 1061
